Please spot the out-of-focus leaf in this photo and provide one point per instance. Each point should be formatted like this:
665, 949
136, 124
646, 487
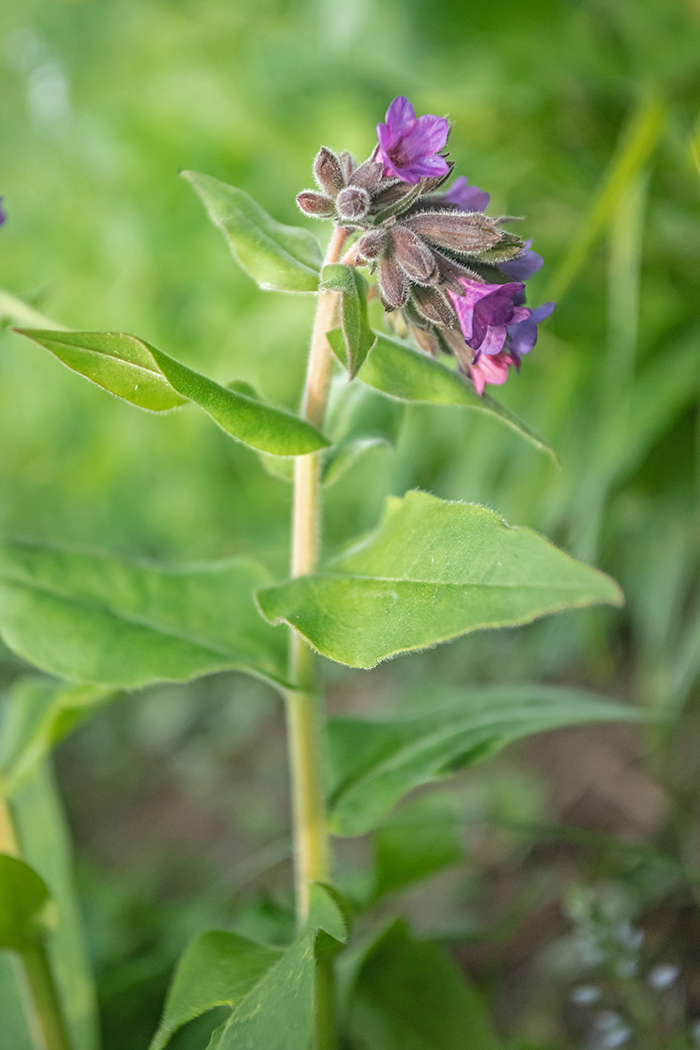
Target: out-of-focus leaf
138, 372
409, 995
432, 571
36, 714
24, 901
96, 619
45, 841
375, 762
16, 312
357, 419
357, 334
408, 375
217, 969
421, 839
279, 258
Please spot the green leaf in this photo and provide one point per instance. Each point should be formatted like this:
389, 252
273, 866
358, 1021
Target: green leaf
96, 619
217, 969
408, 375
24, 904
37, 714
45, 838
357, 334
432, 571
327, 914
409, 995
278, 1013
375, 762
421, 839
279, 258
138, 372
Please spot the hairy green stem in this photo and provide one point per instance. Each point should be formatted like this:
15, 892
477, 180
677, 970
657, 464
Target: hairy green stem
304, 713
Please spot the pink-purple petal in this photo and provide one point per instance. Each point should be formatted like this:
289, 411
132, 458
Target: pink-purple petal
466, 197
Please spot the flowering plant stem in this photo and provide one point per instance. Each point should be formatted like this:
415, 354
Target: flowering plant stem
303, 704
44, 995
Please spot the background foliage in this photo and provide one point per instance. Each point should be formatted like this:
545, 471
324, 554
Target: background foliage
177, 797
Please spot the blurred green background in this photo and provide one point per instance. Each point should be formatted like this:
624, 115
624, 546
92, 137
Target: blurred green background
178, 798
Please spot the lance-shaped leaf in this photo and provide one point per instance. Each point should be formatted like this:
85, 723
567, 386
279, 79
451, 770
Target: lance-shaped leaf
405, 374
96, 619
138, 372
270, 992
38, 712
217, 969
279, 258
375, 762
357, 334
24, 905
433, 570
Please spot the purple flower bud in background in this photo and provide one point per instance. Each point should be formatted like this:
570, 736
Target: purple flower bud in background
409, 146
524, 266
3, 213
466, 197
486, 310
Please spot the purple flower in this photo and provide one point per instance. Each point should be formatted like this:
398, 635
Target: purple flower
522, 336
3, 213
524, 266
493, 369
486, 311
466, 197
409, 146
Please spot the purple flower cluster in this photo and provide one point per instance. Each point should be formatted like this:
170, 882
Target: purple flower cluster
455, 274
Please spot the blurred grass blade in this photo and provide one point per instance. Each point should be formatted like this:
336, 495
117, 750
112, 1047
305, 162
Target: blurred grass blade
408, 375
43, 831
145, 376
375, 762
279, 258
637, 142
433, 570
96, 619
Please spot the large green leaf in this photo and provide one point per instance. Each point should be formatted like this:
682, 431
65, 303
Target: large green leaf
217, 969
401, 372
36, 714
45, 842
375, 762
409, 995
433, 570
24, 904
96, 619
279, 258
137, 372
357, 334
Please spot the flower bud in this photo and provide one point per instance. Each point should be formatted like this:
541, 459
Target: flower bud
328, 172
352, 203
348, 164
432, 304
413, 255
312, 203
457, 231
368, 175
393, 286
371, 245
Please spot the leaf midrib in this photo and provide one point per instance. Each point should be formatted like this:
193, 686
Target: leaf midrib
437, 583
